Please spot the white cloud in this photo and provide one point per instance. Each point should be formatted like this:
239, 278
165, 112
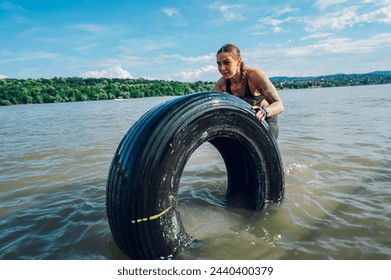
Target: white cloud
258, 33
338, 20
327, 56
171, 12
202, 58
193, 59
333, 46
178, 18
114, 72
286, 10
317, 36
348, 17
323, 4
88, 27
377, 2
203, 73
274, 23
3, 76
277, 29
382, 15
228, 12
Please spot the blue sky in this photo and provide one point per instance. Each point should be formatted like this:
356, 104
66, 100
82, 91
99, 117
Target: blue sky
177, 40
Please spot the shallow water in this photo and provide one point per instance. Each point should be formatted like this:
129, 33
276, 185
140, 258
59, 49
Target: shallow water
335, 144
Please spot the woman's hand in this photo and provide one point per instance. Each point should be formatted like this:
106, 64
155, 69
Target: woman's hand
260, 112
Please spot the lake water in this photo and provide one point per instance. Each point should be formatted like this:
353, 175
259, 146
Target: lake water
336, 148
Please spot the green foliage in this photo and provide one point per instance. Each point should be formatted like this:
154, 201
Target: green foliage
19, 91
338, 80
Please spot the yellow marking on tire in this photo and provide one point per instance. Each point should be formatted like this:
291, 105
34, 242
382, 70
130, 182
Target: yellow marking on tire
153, 217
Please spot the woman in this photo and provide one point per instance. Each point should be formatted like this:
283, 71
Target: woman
250, 84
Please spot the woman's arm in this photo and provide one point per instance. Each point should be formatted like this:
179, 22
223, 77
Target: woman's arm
261, 82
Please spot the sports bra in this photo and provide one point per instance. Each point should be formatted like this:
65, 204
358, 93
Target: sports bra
248, 96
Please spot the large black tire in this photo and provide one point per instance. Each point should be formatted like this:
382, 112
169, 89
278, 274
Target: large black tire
142, 187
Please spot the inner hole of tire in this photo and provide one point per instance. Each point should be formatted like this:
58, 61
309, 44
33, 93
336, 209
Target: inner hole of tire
202, 189
204, 178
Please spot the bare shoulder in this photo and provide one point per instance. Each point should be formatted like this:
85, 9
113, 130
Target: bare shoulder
261, 81
220, 85
258, 77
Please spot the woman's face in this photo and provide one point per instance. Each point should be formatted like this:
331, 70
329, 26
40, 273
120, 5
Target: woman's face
228, 64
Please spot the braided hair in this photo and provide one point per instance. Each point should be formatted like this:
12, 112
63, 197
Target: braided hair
231, 48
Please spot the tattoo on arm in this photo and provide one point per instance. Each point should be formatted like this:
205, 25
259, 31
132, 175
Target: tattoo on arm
265, 92
269, 94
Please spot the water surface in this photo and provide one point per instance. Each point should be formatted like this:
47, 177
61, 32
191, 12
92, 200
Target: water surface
335, 144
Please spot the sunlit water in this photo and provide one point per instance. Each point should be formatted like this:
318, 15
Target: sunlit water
335, 144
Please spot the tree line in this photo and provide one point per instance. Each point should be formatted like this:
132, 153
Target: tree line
29, 91
337, 80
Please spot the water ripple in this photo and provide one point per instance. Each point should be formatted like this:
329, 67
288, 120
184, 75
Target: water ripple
54, 160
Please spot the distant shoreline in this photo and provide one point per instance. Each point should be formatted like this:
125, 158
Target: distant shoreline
55, 90
336, 80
